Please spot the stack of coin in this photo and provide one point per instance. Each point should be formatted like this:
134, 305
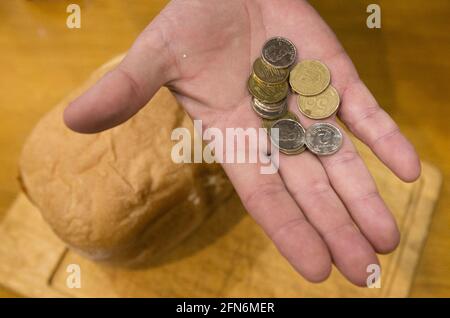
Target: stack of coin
268, 123
268, 83
269, 86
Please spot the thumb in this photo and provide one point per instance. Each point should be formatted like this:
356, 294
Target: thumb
122, 92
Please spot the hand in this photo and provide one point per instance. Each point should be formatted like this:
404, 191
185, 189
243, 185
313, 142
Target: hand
316, 210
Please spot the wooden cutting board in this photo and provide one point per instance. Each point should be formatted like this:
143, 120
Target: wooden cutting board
227, 256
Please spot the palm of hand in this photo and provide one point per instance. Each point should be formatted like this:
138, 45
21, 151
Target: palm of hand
203, 50
214, 43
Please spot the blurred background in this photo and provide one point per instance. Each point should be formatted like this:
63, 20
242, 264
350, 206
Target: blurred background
405, 63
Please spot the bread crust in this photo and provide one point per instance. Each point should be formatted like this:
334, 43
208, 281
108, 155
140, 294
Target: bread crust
116, 196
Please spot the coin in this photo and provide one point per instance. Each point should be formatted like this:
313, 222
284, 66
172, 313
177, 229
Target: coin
270, 107
279, 52
291, 136
267, 93
309, 77
268, 123
295, 152
269, 74
323, 139
319, 106
264, 112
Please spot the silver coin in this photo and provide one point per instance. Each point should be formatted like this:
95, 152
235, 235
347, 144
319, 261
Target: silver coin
323, 139
263, 112
279, 52
291, 136
270, 107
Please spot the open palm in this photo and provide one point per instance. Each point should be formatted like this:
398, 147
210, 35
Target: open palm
316, 210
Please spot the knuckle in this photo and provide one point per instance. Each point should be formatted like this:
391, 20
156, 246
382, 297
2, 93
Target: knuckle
256, 197
346, 226
133, 84
367, 196
344, 157
318, 187
280, 231
390, 133
369, 113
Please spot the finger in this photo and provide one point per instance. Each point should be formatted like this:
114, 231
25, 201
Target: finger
355, 186
124, 90
317, 41
372, 125
359, 110
308, 183
268, 202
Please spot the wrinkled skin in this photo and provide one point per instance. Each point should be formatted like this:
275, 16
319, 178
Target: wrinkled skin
317, 211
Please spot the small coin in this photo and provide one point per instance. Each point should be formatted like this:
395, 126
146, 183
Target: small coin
267, 93
309, 77
291, 136
269, 74
279, 52
319, 106
270, 107
268, 123
295, 152
263, 112
323, 139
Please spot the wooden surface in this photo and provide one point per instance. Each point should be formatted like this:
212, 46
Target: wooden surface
405, 64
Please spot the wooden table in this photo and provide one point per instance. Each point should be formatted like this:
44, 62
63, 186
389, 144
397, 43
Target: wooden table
405, 64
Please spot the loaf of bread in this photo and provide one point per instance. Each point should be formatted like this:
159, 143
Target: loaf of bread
117, 196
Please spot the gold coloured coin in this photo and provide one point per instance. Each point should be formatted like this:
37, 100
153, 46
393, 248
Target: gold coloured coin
309, 77
296, 152
319, 106
270, 107
269, 74
267, 123
263, 112
267, 93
